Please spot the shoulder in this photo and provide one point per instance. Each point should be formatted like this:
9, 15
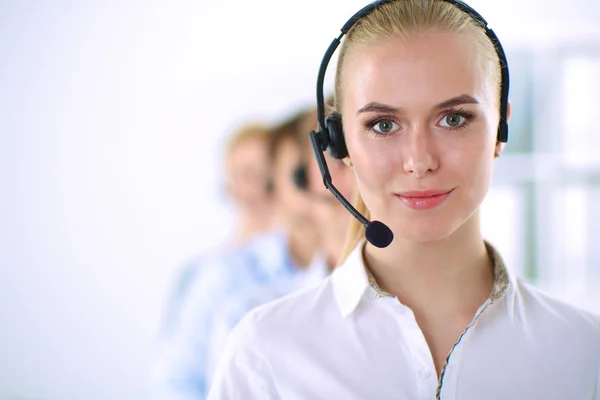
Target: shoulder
219, 272
263, 338
556, 316
286, 317
194, 272
268, 250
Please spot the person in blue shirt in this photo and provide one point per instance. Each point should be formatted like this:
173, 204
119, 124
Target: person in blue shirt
232, 281
248, 188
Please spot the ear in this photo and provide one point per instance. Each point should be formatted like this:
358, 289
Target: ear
346, 160
499, 149
500, 145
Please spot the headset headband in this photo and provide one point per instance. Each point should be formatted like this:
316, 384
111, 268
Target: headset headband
503, 124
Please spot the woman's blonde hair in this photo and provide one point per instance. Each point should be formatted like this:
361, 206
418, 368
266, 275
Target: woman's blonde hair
401, 19
247, 132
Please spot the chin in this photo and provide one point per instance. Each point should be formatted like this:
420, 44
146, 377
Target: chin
421, 234
427, 229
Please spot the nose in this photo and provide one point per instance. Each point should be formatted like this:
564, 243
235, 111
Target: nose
419, 153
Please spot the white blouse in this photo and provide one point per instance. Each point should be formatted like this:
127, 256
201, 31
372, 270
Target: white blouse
347, 339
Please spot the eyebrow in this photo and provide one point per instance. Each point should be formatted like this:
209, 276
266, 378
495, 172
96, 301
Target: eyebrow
453, 102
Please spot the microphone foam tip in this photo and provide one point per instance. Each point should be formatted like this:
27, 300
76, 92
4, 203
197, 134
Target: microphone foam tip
378, 234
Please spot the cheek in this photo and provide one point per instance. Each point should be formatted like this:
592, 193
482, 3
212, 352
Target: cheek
469, 156
470, 166
377, 168
376, 161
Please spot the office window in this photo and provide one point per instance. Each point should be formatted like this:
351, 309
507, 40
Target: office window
543, 210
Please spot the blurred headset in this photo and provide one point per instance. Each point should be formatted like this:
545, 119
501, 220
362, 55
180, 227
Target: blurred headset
300, 177
330, 134
301, 180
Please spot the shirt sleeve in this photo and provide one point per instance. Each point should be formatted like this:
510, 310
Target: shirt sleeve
179, 291
180, 365
243, 372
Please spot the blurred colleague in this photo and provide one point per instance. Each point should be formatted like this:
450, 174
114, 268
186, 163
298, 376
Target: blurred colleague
266, 267
331, 221
248, 181
248, 186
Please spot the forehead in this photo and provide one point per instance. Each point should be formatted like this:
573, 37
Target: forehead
287, 151
254, 148
422, 70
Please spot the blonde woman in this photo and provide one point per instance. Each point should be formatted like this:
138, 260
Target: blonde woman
422, 89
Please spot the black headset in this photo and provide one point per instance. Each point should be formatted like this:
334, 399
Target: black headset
330, 135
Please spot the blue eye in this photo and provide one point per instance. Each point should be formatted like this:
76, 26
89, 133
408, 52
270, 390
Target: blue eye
384, 126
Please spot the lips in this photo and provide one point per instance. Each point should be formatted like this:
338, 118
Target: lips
424, 199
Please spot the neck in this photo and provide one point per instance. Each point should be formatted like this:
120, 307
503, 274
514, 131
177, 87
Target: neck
454, 273
301, 238
333, 236
302, 244
253, 223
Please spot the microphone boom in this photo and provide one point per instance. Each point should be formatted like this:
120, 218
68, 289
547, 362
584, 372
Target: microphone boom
377, 233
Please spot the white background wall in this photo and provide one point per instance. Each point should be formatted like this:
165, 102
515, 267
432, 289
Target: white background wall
112, 117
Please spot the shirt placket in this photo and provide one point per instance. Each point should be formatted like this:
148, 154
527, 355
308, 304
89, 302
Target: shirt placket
446, 384
446, 387
422, 362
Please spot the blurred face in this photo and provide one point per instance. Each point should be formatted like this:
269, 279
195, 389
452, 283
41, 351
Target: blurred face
248, 173
420, 119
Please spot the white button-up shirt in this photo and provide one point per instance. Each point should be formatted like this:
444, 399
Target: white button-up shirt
347, 339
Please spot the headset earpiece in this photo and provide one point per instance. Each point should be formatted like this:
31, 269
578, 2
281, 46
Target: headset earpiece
503, 131
336, 144
300, 177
